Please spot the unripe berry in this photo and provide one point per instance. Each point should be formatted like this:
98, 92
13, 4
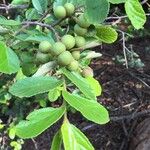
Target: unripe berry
69, 9
58, 48
82, 21
45, 46
80, 41
65, 58
76, 55
60, 12
79, 30
87, 72
68, 41
42, 58
73, 66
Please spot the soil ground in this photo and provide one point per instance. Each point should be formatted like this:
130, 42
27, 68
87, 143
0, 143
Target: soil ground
126, 94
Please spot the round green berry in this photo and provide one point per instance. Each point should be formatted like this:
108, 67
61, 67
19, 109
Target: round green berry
82, 21
68, 41
58, 48
80, 41
42, 58
79, 30
65, 58
73, 66
60, 12
45, 46
76, 55
70, 9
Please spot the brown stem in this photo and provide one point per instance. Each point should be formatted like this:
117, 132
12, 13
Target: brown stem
29, 23
9, 7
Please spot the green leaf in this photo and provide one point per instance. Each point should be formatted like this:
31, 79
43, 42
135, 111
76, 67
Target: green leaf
34, 85
69, 140
32, 14
54, 94
106, 34
91, 110
12, 133
4, 21
40, 5
95, 85
19, 2
9, 62
16, 145
57, 141
135, 13
38, 121
96, 11
20, 75
38, 38
117, 1
73, 138
81, 83
1, 37
81, 139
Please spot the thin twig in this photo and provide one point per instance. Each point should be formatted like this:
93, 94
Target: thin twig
35, 144
144, 1
118, 17
124, 49
29, 23
148, 86
58, 22
9, 7
45, 14
121, 17
120, 118
131, 116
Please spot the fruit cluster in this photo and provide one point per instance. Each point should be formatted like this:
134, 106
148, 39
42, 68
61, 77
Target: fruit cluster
81, 26
68, 10
62, 51
64, 11
65, 51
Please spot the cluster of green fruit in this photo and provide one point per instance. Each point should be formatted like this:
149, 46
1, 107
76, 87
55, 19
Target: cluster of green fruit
64, 11
66, 52
81, 26
68, 10
62, 51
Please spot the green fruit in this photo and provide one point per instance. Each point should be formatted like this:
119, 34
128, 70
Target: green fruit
73, 66
51, 57
70, 9
58, 48
60, 12
45, 46
80, 41
76, 55
79, 30
42, 58
82, 21
65, 58
87, 72
68, 41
